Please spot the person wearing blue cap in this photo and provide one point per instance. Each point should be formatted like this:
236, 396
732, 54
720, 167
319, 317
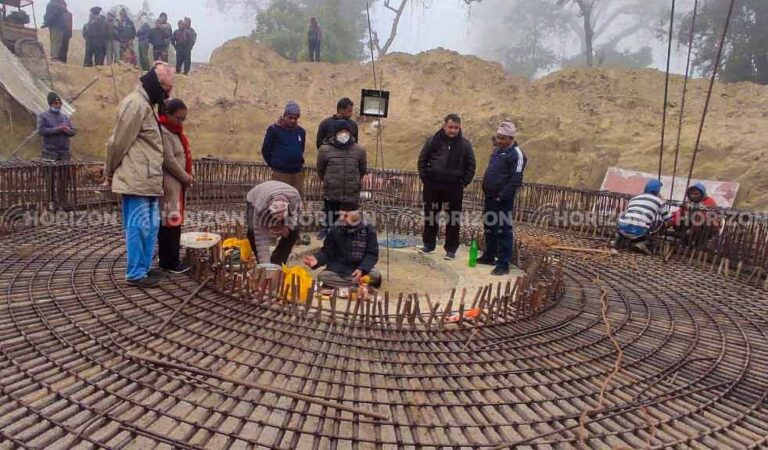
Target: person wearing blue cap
644, 216
283, 148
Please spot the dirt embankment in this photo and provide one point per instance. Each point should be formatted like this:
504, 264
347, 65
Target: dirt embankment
573, 124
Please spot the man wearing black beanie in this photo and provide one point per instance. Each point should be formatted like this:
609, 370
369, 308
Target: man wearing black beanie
56, 129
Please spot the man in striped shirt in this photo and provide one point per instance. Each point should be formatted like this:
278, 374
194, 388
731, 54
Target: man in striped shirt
645, 215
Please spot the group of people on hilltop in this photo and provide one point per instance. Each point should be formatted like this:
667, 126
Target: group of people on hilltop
112, 38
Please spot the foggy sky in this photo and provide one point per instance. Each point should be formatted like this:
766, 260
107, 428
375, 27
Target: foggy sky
446, 23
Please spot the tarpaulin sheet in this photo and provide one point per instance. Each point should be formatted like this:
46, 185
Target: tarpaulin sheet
31, 93
632, 182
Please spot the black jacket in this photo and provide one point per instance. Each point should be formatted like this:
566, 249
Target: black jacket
342, 168
505, 172
447, 160
326, 129
336, 251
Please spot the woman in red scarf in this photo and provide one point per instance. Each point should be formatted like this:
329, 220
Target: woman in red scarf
177, 178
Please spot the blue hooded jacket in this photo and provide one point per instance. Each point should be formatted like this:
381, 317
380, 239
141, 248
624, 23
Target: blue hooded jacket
701, 188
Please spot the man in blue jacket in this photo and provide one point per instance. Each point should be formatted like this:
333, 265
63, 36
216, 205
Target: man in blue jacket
56, 130
500, 183
283, 148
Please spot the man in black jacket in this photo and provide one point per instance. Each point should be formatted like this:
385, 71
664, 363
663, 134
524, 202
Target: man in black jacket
446, 167
345, 109
350, 251
500, 183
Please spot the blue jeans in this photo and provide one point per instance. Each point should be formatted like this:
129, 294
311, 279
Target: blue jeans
497, 222
141, 221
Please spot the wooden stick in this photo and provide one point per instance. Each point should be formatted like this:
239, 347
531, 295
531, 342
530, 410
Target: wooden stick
261, 387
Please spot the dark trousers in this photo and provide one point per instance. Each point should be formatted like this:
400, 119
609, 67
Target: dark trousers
144, 56
332, 211
183, 59
160, 53
283, 250
95, 52
168, 246
436, 197
64, 49
314, 51
497, 223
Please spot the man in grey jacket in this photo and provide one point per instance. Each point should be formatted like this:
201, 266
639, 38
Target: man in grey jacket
272, 211
56, 129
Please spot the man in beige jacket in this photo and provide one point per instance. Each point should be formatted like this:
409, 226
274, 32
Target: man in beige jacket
134, 167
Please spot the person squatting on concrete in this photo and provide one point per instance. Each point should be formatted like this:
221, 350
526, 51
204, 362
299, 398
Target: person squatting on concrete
160, 38
177, 178
345, 109
341, 166
58, 20
283, 148
95, 33
56, 129
645, 215
134, 168
350, 251
314, 39
501, 181
272, 211
446, 166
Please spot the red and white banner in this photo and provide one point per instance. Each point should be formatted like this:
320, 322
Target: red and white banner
632, 182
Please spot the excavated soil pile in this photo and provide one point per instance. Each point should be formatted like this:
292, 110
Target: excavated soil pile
573, 124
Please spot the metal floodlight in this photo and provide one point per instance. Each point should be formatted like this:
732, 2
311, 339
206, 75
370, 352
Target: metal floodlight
375, 103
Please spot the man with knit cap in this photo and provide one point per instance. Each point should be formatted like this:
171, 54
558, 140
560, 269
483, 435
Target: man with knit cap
272, 211
646, 214
503, 177
283, 148
56, 130
134, 168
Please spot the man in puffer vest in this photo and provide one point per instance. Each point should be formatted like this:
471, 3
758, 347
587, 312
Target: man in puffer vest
341, 165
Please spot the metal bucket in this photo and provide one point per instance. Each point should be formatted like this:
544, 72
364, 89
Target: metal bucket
272, 278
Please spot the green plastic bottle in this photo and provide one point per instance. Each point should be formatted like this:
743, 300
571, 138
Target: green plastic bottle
473, 253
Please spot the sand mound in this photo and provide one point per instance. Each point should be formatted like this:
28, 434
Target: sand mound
573, 124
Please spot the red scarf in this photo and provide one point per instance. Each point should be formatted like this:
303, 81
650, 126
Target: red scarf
178, 129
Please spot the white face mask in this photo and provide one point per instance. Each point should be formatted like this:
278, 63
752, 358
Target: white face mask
343, 138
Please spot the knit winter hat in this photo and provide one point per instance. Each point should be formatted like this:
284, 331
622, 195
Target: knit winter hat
507, 128
340, 125
653, 187
96, 10
292, 109
53, 97
278, 207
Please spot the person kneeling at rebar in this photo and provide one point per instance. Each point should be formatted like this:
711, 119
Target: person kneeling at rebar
272, 211
349, 253
646, 214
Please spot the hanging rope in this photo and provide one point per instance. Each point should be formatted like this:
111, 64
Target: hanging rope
682, 103
709, 93
666, 87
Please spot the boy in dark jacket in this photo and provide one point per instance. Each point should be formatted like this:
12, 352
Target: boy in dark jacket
283, 148
95, 33
345, 108
143, 36
160, 38
500, 183
446, 167
350, 251
341, 165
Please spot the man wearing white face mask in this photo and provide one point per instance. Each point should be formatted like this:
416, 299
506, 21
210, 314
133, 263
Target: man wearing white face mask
341, 165
56, 129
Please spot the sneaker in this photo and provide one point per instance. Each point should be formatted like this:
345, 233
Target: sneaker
155, 273
180, 268
500, 271
144, 283
426, 251
450, 256
486, 261
643, 248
